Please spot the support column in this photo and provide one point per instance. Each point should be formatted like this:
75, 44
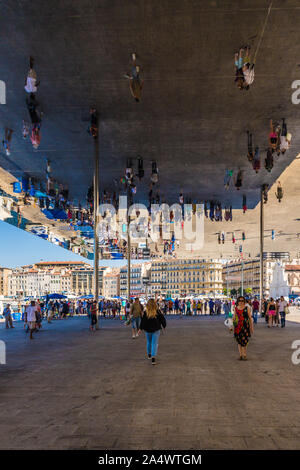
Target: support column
242, 290
128, 247
96, 208
227, 281
261, 264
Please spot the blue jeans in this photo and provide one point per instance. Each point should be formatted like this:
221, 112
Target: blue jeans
135, 322
152, 342
282, 318
239, 63
255, 312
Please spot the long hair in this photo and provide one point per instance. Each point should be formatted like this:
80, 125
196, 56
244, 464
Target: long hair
151, 308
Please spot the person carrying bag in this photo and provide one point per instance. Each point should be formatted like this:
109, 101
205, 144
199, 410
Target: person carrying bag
152, 323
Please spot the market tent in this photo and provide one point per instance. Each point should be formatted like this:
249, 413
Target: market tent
55, 296
55, 214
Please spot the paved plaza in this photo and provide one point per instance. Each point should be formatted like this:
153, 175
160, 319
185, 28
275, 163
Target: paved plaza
73, 389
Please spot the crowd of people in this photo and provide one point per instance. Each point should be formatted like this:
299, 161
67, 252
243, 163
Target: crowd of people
240, 315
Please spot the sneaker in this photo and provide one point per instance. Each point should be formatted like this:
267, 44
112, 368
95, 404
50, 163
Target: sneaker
153, 361
133, 337
149, 356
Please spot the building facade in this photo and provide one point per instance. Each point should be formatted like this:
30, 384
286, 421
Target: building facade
293, 277
60, 265
111, 283
83, 281
248, 272
36, 283
183, 277
137, 273
52, 277
4, 281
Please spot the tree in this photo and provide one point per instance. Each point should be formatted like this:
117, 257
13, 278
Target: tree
233, 292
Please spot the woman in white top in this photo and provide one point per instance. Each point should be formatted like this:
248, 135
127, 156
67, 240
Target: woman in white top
282, 304
30, 83
30, 317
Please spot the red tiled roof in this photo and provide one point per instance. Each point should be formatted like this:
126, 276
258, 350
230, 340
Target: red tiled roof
60, 262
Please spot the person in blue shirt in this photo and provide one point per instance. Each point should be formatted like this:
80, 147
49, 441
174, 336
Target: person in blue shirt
227, 309
8, 317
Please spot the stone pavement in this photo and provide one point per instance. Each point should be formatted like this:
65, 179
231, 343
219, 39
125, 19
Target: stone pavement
73, 389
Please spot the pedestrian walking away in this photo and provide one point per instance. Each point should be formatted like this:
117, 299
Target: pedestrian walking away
152, 323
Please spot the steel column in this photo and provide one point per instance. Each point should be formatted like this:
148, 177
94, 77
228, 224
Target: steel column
96, 237
261, 264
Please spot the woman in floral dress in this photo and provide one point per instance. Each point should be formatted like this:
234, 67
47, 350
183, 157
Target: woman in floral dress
243, 326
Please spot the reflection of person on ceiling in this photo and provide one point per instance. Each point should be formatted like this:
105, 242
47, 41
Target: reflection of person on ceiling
7, 140
135, 82
31, 83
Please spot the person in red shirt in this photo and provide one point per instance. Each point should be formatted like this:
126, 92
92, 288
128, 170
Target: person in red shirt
35, 136
255, 309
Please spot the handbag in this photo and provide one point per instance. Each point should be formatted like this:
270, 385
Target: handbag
286, 310
228, 323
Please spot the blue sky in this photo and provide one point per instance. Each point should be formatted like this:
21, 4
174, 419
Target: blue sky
18, 248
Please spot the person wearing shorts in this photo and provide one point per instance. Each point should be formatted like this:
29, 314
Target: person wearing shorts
271, 312
30, 317
136, 313
273, 137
